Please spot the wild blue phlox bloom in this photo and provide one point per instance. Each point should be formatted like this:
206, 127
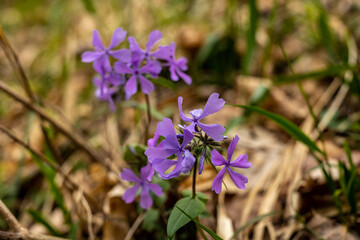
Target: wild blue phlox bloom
100, 56
140, 183
176, 66
104, 92
154, 37
213, 105
158, 155
137, 72
240, 162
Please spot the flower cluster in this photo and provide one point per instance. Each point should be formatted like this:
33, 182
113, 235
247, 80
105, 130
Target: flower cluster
131, 66
171, 154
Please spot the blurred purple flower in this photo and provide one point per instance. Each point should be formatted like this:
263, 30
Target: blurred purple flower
143, 183
154, 37
213, 105
153, 68
240, 162
100, 56
158, 155
176, 67
104, 92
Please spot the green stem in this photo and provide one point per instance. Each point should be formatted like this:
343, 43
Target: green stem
148, 111
194, 179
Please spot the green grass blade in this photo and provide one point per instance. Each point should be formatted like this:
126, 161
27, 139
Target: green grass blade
286, 125
253, 221
331, 71
209, 231
38, 217
250, 37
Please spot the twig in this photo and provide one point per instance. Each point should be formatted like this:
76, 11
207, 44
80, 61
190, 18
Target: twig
19, 231
10, 220
72, 135
135, 226
53, 165
17, 67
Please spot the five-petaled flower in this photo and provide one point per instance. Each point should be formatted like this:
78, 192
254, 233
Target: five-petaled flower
143, 183
176, 66
100, 56
137, 72
158, 155
240, 162
213, 105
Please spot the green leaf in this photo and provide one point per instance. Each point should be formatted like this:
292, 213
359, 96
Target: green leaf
286, 125
191, 206
203, 197
164, 83
209, 231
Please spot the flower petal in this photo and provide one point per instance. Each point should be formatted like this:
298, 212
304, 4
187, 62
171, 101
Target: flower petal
182, 115
215, 131
128, 175
217, 183
131, 87
122, 68
238, 178
188, 136
152, 67
241, 162
130, 194
146, 171
133, 45
187, 162
202, 161
217, 159
173, 74
154, 37
157, 152
184, 76
123, 55
156, 189
213, 105
164, 53
146, 85
90, 56
162, 164
96, 41
117, 37
145, 199
231, 148
166, 129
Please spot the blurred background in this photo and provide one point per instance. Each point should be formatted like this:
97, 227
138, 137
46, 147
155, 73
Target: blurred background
251, 52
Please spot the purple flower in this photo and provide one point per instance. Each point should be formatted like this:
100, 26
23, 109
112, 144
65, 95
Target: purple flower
154, 37
176, 67
100, 56
153, 68
104, 92
240, 162
213, 105
158, 155
143, 183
